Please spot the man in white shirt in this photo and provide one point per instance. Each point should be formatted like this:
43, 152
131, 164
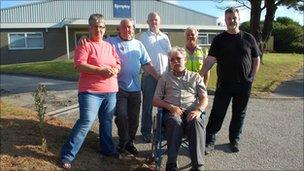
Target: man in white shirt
158, 45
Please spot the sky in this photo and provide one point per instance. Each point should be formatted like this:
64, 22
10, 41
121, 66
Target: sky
204, 6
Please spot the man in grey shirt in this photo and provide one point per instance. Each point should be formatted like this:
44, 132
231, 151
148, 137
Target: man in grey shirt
183, 96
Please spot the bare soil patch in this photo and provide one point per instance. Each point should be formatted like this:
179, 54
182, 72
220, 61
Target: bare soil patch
20, 145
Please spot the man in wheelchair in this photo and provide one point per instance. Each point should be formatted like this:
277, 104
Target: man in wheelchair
183, 96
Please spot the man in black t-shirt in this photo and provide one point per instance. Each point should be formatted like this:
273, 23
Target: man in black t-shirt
237, 56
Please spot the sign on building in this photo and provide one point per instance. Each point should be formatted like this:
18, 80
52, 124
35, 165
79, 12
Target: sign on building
122, 8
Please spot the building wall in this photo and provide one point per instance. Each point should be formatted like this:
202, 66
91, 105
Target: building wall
54, 47
177, 38
66, 12
55, 43
80, 9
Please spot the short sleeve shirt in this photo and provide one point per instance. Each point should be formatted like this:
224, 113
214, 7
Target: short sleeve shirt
158, 46
132, 55
181, 91
234, 54
100, 54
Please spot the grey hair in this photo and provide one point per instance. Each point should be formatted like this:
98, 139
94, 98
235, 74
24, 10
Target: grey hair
191, 28
96, 18
232, 10
152, 14
177, 49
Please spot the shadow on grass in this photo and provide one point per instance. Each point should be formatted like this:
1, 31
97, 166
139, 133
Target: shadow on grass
20, 147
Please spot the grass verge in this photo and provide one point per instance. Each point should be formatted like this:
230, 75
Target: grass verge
62, 69
276, 68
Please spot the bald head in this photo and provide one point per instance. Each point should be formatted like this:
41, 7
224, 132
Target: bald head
126, 29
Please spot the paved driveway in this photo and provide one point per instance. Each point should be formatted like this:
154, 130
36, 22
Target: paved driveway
19, 89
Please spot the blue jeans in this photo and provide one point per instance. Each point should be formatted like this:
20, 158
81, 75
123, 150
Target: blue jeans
148, 88
91, 104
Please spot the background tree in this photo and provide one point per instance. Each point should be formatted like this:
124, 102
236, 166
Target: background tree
288, 36
270, 6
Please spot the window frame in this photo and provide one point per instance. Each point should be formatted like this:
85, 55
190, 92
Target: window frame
79, 32
26, 47
206, 34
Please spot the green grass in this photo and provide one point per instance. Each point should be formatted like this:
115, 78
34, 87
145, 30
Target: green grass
276, 67
63, 69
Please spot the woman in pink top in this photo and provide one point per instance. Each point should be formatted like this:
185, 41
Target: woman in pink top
98, 65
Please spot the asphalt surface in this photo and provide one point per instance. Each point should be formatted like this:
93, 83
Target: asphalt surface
272, 137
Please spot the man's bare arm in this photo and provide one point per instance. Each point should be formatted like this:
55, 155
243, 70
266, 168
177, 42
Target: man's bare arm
201, 106
150, 69
175, 110
255, 66
206, 78
208, 63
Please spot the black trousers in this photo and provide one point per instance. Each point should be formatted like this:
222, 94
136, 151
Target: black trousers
239, 93
127, 115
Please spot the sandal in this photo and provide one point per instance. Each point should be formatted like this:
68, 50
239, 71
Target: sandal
66, 164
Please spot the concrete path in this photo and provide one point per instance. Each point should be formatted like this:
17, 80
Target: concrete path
272, 138
291, 88
19, 89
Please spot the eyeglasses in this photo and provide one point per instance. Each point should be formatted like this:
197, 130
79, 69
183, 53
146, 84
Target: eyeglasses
176, 59
190, 34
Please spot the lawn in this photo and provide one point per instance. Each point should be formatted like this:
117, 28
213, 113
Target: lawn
62, 69
276, 67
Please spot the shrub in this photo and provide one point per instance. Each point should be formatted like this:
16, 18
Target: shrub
288, 38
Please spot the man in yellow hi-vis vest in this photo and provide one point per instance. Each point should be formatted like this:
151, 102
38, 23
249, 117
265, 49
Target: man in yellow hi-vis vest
195, 54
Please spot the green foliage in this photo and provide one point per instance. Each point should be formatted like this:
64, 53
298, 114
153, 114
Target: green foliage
245, 26
286, 21
288, 36
39, 98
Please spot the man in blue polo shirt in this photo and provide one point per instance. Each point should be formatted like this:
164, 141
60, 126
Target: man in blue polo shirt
133, 56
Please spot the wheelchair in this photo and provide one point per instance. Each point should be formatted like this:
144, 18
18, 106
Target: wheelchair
159, 143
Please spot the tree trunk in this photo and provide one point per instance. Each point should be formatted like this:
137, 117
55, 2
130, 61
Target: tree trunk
255, 30
255, 15
269, 18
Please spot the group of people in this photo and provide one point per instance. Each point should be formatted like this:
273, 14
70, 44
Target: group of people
174, 79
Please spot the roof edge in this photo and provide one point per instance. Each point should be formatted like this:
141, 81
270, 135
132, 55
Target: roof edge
28, 4
30, 25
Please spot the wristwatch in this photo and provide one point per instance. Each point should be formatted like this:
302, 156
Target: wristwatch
201, 110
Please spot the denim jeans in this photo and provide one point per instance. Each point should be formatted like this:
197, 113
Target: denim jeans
148, 88
91, 104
